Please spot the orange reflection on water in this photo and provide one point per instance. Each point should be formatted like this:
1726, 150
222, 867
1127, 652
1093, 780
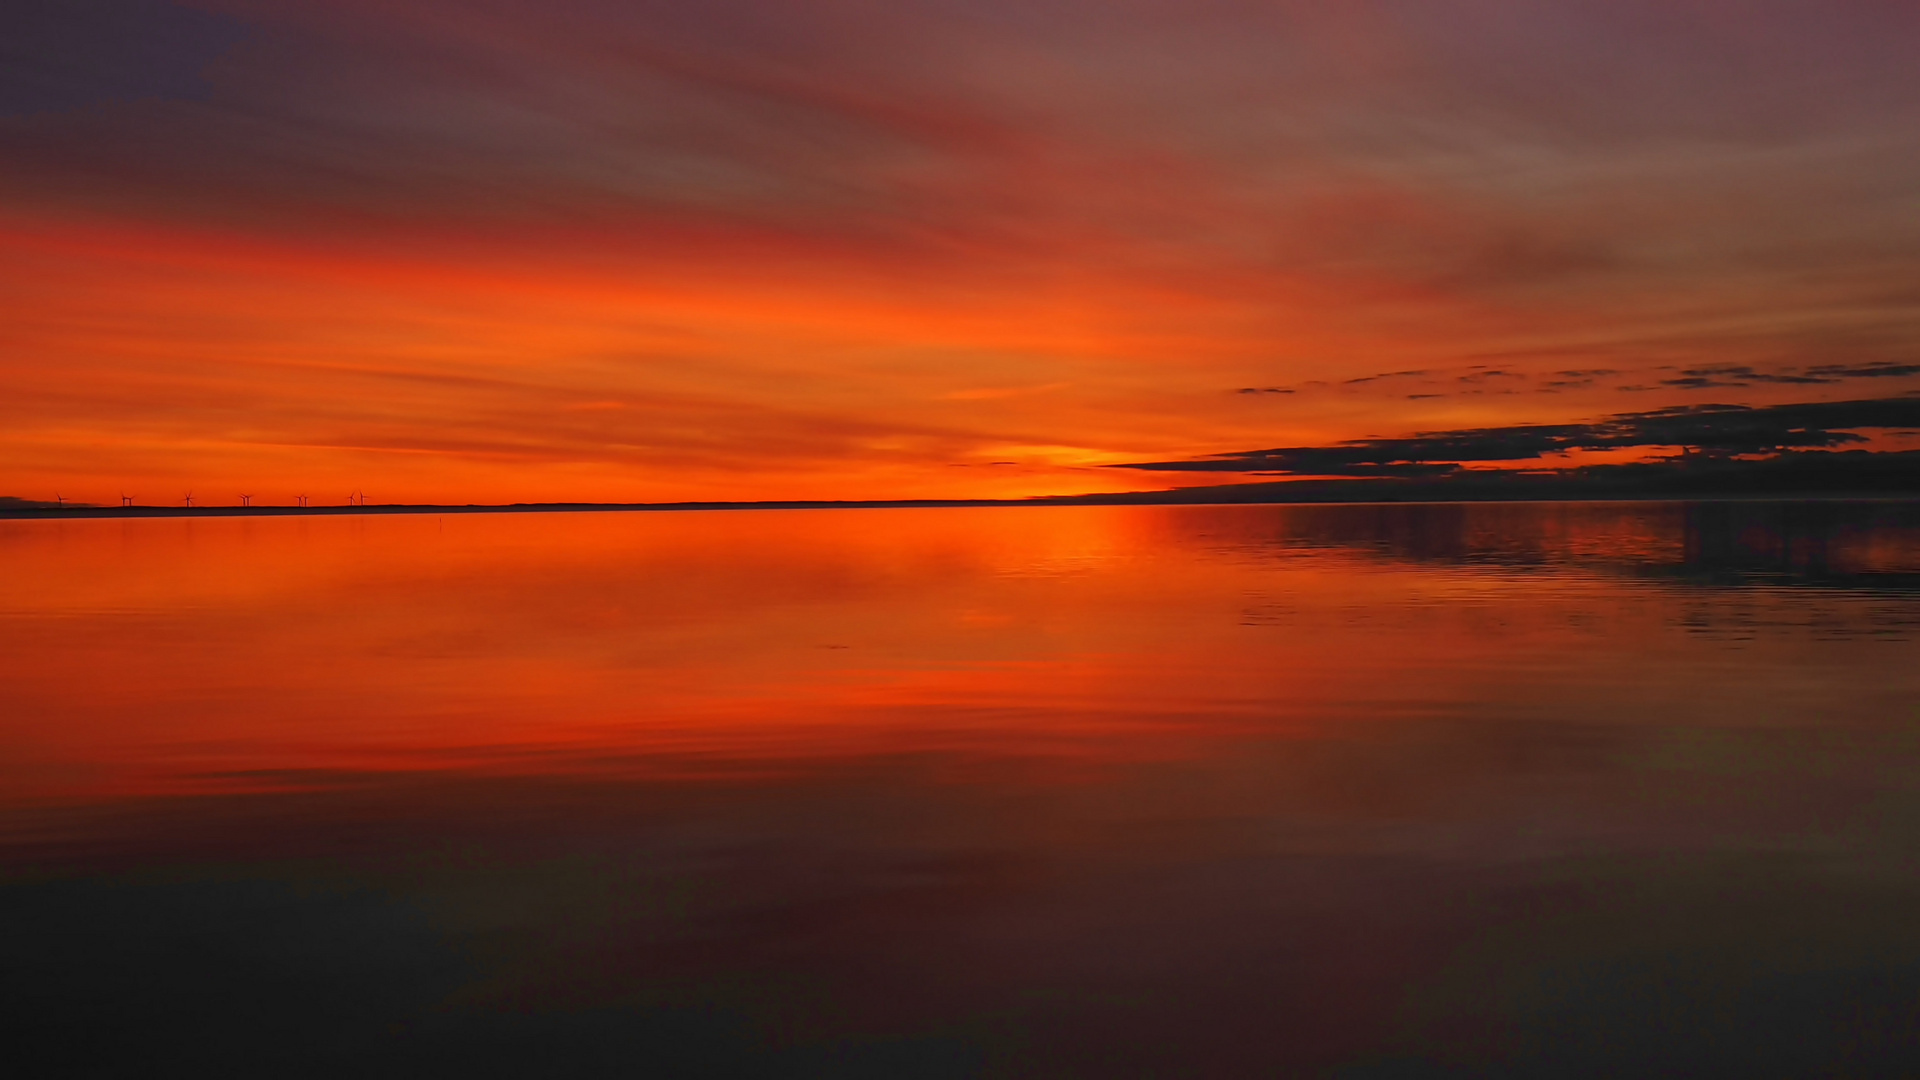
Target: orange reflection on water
225, 654
1221, 791
212, 651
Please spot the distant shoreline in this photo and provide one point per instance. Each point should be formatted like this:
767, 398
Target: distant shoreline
472, 508
1188, 497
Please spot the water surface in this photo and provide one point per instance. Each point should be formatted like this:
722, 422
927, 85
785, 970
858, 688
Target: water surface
1548, 790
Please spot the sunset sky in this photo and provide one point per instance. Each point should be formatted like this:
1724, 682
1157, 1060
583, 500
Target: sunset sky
617, 250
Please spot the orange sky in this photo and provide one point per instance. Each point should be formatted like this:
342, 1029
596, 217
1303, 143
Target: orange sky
449, 252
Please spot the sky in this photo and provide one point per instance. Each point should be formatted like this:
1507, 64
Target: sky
440, 251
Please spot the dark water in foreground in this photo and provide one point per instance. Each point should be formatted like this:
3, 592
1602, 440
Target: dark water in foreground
1558, 790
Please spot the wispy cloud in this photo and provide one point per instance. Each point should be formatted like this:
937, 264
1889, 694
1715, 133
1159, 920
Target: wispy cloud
1480, 380
1725, 429
856, 222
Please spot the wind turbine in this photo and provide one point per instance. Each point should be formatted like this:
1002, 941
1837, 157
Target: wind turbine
246, 500
300, 499
189, 500
62, 500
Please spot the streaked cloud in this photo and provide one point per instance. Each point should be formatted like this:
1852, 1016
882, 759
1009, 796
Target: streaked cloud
1719, 429
267, 235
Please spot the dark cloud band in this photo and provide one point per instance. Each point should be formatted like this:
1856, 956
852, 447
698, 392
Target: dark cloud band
1715, 429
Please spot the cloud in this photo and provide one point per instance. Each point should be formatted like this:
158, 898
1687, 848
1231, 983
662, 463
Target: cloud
1409, 470
1482, 380
61, 55
1723, 375
1717, 429
862, 208
1744, 375
1878, 370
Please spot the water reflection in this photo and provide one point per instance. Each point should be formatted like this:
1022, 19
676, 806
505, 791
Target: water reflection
1529, 790
1838, 544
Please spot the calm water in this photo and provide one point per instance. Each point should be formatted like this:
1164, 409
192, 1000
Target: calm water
1064, 792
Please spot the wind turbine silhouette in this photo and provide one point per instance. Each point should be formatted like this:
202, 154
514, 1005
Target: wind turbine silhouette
189, 500
246, 500
301, 499
61, 499
126, 499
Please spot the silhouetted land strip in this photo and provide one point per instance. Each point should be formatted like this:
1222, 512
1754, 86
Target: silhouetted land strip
18, 508
1854, 474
